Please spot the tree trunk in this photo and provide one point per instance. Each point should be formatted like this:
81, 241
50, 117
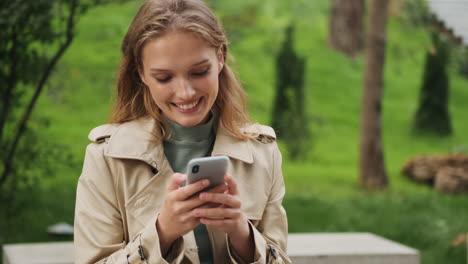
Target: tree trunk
346, 27
372, 167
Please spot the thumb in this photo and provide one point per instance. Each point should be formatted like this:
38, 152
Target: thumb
176, 180
232, 185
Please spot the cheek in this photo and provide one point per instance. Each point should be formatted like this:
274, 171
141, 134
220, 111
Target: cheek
210, 84
159, 94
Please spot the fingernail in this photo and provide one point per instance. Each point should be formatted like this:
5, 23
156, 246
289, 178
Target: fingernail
206, 182
197, 212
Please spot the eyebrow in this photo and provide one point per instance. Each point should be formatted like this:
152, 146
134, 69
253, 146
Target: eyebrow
195, 64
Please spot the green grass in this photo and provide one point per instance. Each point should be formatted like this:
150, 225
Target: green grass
322, 190
423, 221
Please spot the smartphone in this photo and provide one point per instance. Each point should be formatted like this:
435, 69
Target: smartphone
211, 168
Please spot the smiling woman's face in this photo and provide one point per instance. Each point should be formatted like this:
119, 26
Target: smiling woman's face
181, 72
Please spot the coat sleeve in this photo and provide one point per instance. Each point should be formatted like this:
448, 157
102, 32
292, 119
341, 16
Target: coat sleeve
271, 233
99, 228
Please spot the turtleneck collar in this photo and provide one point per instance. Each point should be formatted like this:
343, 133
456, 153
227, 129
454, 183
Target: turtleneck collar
191, 134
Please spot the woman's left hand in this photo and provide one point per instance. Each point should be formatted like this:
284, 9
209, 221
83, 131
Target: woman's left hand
229, 217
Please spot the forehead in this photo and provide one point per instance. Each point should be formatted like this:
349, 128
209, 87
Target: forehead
176, 50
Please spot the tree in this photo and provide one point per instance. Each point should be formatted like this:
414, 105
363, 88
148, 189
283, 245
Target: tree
34, 36
28, 24
463, 62
289, 119
432, 115
346, 26
372, 165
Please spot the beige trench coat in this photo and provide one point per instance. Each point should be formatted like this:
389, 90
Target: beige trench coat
123, 185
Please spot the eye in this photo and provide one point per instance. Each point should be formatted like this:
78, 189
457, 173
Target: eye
201, 73
163, 80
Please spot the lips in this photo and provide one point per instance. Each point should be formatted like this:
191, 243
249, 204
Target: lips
189, 106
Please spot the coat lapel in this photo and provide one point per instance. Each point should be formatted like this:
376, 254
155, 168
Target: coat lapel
134, 140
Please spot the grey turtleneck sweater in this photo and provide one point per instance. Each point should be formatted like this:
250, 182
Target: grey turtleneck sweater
185, 144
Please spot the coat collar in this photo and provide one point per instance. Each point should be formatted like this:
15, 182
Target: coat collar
134, 140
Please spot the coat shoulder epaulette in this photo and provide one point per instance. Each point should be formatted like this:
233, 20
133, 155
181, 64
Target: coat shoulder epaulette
263, 134
102, 133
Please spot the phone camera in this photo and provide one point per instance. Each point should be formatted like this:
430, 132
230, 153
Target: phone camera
195, 169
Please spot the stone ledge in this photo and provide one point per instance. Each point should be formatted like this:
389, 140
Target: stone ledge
35, 253
318, 248
348, 248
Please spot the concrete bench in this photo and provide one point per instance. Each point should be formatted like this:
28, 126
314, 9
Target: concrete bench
348, 248
35, 253
319, 248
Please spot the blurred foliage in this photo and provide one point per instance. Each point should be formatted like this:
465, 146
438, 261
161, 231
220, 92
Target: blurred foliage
432, 115
416, 13
34, 35
268, 18
37, 159
31, 31
289, 116
462, 60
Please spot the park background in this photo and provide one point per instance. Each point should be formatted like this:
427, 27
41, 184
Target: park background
322, 185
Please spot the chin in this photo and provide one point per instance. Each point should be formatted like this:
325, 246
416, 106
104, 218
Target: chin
189, 122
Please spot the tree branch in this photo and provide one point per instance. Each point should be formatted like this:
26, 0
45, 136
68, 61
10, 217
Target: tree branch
22, 124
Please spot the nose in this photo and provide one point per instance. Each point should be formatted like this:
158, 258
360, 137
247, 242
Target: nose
185, 90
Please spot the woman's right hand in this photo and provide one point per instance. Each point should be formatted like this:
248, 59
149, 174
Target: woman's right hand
177, 216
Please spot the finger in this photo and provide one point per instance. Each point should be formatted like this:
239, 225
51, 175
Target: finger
176, 181
231, 184
194, 201
189, 218
189, 190
217, 222
210, 205
218, 189
217, 213
221, 198
186, 206
187, 221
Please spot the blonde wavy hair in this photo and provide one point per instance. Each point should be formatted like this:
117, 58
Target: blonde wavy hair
155, 18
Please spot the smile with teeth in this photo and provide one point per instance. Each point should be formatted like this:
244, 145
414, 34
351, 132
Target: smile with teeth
188, 106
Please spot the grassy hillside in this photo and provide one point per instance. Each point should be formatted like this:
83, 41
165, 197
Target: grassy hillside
322, 191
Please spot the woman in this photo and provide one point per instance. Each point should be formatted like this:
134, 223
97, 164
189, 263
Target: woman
177, 99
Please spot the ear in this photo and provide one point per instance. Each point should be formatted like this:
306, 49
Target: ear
142, 76
221, 61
